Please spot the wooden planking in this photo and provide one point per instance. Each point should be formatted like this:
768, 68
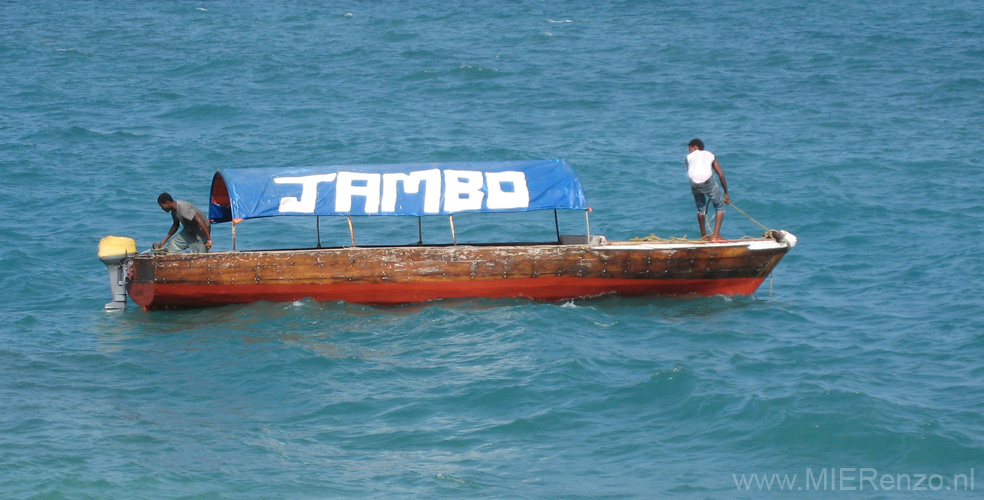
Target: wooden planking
159, 295
437, 264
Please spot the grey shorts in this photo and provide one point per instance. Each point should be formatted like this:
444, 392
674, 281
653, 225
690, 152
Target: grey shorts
186, 239
705, 190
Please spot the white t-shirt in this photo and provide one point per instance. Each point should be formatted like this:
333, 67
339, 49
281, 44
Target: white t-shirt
699, 166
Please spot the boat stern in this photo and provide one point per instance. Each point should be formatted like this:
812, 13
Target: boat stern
140, 284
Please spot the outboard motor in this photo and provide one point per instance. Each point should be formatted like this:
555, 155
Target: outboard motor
116, 253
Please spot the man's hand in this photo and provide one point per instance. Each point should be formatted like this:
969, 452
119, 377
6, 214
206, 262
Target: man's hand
727, 198
208, 245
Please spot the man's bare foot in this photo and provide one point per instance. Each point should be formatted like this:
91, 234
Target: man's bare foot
718, 239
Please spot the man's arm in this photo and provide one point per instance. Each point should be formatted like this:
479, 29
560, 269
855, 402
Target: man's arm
174, 229
208, 234
724, 182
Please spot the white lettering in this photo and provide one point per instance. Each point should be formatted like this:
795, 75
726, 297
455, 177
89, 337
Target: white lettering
908, 481
920, 479
822, 480
845, 479
462, 190
887, 481
854, 479
957, 478
345, 189
868, 475
411, 184
309, 193
517, 197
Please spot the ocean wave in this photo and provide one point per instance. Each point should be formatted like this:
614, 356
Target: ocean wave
471, 72
74, 51
203, 112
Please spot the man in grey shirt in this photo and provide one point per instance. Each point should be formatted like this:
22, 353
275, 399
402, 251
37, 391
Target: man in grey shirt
196, 235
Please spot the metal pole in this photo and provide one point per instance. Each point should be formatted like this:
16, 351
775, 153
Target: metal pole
587, 220
351, 229
454, 237
233, 236
420, 232
318, 225
557, 225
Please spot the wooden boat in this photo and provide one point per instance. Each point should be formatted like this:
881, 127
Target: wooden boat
572, 267
408, 274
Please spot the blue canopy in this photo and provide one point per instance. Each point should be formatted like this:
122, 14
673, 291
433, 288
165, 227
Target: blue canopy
395, 189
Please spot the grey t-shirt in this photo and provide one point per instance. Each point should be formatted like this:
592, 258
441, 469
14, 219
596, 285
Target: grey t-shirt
186, 214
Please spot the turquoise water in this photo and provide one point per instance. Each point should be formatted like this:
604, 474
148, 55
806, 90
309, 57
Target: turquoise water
855, 126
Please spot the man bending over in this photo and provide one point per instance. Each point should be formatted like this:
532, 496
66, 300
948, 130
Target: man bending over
196, 235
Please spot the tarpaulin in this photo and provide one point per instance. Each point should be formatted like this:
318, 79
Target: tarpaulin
395, 189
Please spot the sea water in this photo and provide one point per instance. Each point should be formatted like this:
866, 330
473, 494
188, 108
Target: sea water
855, 370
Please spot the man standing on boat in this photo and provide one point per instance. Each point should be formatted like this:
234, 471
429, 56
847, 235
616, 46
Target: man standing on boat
196, 235
701, 166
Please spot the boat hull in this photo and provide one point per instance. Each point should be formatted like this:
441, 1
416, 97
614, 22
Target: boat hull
411, 274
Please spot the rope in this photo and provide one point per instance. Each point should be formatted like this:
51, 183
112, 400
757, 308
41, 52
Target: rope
769, 233
749, 216
684, 239
657, 239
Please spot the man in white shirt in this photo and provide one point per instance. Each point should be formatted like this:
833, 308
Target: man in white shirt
701, 166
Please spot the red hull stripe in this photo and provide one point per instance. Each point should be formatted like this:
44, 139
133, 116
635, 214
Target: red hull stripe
163, 295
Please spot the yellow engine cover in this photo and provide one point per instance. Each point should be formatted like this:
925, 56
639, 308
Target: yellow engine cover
111, 246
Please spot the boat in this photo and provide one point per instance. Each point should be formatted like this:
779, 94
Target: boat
573, 266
